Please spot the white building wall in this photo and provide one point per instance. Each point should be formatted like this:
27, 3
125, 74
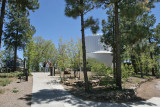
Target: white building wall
93, 44
96, 50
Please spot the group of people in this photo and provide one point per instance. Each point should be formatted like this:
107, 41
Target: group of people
47, 65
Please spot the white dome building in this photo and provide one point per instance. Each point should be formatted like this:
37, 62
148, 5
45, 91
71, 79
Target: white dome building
95, 49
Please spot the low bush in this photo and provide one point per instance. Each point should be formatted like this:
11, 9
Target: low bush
15, 90
100, 69
108, 82
127, 71
158, 72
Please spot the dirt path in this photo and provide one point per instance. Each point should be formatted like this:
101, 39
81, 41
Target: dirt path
21, 98
149, 89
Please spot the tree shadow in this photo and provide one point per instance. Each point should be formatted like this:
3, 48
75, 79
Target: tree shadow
62, 96
27, 98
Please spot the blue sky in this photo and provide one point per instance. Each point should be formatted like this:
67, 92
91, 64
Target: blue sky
51, 23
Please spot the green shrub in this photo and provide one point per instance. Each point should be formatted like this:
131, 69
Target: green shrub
100, 69
108, 82
127, 71
90, 63
158, 72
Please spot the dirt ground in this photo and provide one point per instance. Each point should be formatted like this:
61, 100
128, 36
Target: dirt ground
149, 89
17, 99
102, 93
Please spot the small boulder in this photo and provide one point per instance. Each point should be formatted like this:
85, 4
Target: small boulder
66, 83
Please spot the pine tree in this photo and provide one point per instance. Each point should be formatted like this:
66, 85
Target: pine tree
2, 18
75, 8
24, 5
108, 36
17, 27
128, 9
106, 3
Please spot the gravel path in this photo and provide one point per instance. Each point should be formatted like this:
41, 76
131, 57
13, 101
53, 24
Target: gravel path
48, 93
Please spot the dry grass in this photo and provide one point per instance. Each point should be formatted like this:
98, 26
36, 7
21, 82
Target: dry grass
16, 93
2, 91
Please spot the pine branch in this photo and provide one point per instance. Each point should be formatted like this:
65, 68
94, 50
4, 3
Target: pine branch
124, 32
88, 10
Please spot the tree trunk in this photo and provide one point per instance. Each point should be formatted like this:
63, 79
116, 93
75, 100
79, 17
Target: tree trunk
75, 73
151, 55
15, 51
2, 18
28, 65
84, 52
140, 62
15, 56
114, 65
114, 52
118, 57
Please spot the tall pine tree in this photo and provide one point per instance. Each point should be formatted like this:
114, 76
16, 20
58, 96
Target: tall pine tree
128, 9
24, 5
17, 29
75, 8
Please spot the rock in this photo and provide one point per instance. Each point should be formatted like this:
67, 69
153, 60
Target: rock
133, 87
79, 83
67, 79
76, 78
67, 71
73, 84
66, 83
111, 76
95, 82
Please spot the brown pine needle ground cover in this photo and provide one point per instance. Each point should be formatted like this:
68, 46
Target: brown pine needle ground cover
107, 93
14, 93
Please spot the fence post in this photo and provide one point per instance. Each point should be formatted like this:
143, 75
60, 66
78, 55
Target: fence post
51, 71
25, 70
54, 70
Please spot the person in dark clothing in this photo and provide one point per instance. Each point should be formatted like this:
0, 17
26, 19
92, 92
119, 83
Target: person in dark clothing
50, 64
51, 68
44, 66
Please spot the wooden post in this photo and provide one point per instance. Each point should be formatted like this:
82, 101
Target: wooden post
54, 70
51, 71
25, 70
79, 73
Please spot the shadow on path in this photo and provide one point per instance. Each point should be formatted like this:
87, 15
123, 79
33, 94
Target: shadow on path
61, 96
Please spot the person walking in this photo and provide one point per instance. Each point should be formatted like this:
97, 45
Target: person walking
51, 68
44, 66
47, 66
